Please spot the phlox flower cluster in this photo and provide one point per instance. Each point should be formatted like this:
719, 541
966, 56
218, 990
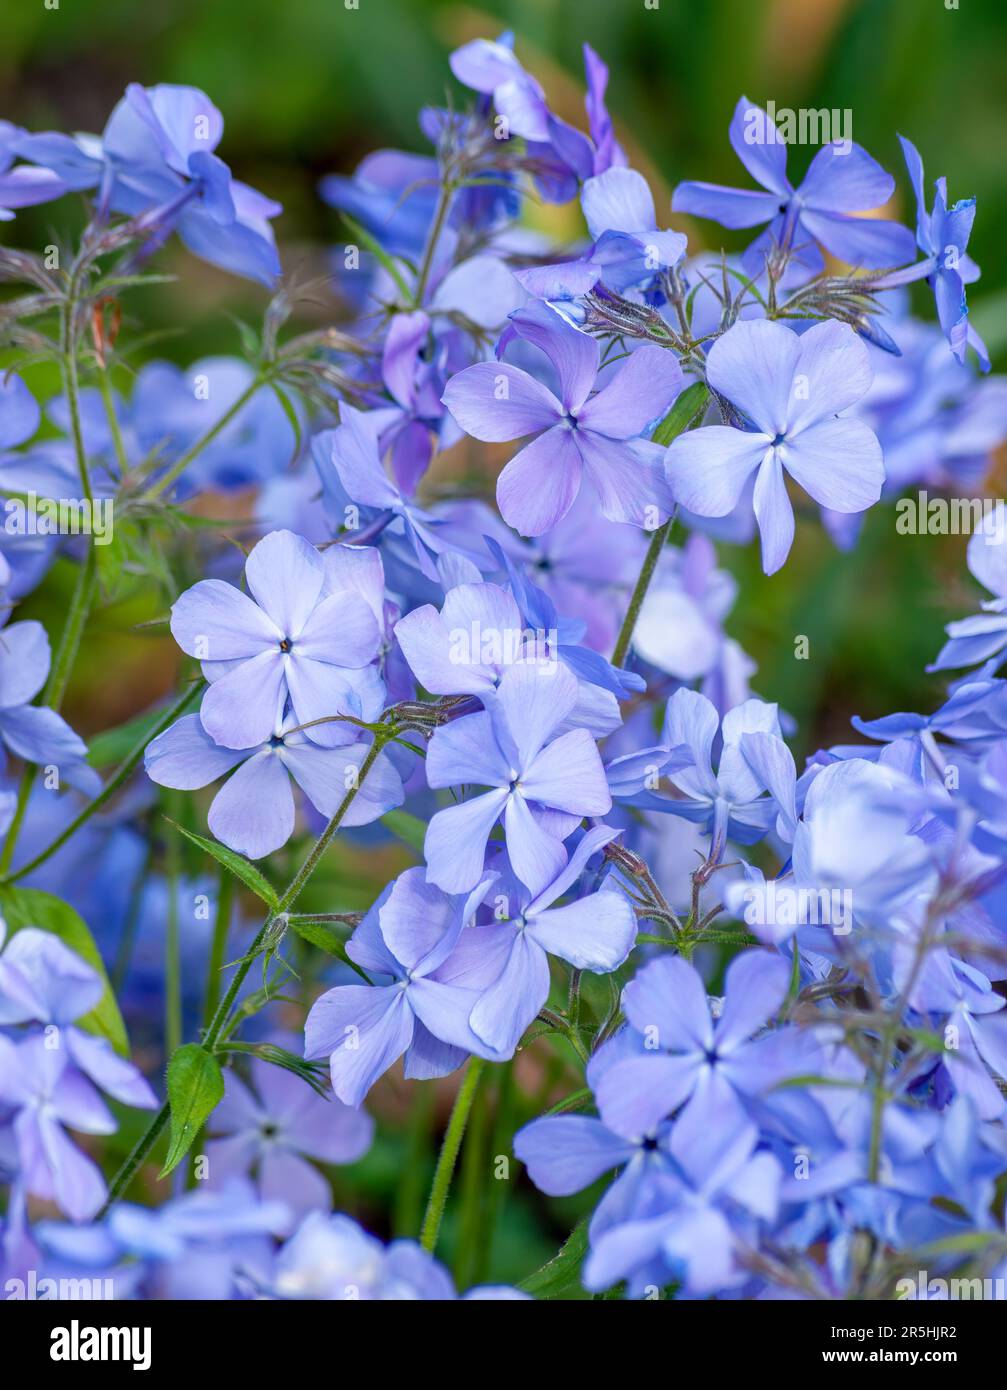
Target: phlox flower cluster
768, 1000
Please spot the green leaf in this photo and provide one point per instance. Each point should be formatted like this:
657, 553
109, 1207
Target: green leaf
326, 938
28, 907
313, 1074
376, 249
291, 414
687, 409
114, 746
195, 1088
406, 827
562, 1272
235, 864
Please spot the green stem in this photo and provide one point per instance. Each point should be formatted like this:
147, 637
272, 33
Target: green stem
172, 943
223, 1010
409, 1189
23, 795
640, 591
105, 387
140, 1151
180, 465
437, 226
473, 1197
73, 630
71, 386
500, 1147
449, 1154
218, 945
83, 594
121, 775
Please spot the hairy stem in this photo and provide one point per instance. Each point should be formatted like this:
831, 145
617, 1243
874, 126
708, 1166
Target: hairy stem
449, 1154
223, 1010
180, 465
121, 775
640, 591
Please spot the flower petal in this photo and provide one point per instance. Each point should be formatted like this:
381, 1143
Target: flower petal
253, 813
708, 468
496, 402
839, 463
540, 484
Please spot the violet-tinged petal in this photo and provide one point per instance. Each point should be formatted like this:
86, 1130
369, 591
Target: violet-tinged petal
186, 757
667, 1003
531, 702
708, 468
834, 371
406, 335
773, 513
753, 366
365, 1029
426, 644
379, 792
355, 457
568, 776
286, 1177
844, 178
455, 842
861, 241
40, 735
731, 207
539, 485
253, 813
41, 978
320, 691
618, 200
24, 663
215, 621
416, 918
535, 855
627, 476
428, 1058
760, 147
505, 1010
839, 463
575, 355
57, 1169
566, 1153
691, 721
465, 752
594, 933
639, 394
589, 844
636, 1094
242, 708
755, 987
117, 1077
284, 575
496, 402
341, 629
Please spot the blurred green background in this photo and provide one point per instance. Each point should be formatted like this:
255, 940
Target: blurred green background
308, 87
